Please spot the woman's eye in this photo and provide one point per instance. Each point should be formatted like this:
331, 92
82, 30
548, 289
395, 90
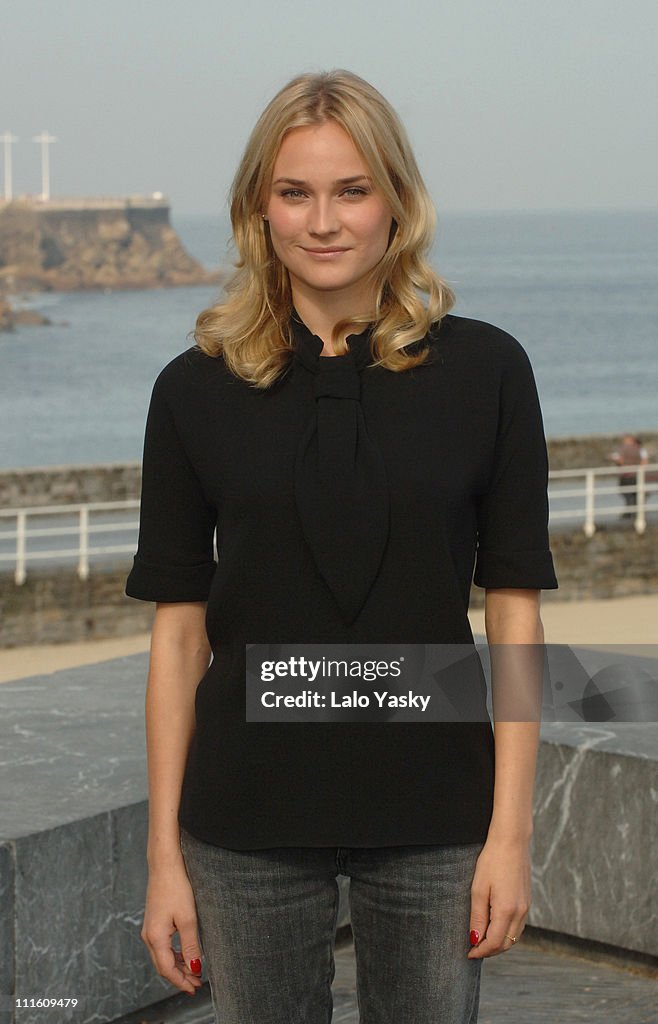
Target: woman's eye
292, 193
356, 191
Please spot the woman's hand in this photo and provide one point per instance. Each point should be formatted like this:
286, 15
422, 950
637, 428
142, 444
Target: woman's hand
170, 908
500, 895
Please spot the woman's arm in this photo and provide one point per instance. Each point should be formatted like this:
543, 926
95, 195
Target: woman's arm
180, 655
500, 894
513, 617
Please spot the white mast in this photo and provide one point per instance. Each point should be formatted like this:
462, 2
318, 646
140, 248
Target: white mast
45, 139
7, 138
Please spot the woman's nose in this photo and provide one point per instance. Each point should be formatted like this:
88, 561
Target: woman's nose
323, 218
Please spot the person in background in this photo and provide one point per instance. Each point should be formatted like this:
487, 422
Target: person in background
631, 452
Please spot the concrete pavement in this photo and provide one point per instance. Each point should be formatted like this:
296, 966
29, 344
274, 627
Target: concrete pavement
527, 985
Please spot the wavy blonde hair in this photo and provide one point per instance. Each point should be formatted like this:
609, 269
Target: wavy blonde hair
251, 327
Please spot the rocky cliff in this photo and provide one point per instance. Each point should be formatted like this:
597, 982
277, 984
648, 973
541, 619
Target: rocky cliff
64, 245
6, 316
10, 317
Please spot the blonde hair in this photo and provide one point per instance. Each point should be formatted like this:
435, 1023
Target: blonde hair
250, 328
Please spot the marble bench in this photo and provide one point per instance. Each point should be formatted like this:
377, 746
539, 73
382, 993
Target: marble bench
73, 838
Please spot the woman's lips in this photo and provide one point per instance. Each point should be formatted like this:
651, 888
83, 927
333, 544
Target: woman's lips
325, 254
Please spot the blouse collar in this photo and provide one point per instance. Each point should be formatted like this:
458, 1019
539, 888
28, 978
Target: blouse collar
341, 489
308, 346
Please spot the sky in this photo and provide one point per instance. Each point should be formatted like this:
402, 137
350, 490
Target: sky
515, 105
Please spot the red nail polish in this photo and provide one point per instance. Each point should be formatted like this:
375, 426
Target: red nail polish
195, 966
475, 937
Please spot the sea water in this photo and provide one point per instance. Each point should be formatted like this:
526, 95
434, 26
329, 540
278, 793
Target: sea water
577, 289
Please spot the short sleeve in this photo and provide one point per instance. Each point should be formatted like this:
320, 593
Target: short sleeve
174, 559
512, 516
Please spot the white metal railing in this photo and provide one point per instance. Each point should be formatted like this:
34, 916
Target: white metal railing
582, 505
82, 528
602, 482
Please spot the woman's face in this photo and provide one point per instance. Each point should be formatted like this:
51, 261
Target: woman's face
328, 224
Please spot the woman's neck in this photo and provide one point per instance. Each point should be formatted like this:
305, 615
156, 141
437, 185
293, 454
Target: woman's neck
321, 316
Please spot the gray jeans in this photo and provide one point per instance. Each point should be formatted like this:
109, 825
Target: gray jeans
267, 921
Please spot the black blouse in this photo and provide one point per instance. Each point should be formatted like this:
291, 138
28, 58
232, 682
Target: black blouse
352, 505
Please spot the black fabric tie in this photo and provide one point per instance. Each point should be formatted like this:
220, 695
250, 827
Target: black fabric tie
341, 489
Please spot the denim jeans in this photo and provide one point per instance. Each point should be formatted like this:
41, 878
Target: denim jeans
267, 922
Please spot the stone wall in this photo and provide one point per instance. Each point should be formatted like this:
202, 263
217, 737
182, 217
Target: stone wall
593, 846
64, 485
55, 606
615, 562
117, 481
586, 451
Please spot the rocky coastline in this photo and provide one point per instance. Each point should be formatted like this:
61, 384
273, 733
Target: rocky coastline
90, 244
11, 318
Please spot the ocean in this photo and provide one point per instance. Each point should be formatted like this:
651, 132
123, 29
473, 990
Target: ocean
578, 289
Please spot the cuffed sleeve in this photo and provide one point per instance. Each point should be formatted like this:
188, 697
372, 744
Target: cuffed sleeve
174, 559
513, 544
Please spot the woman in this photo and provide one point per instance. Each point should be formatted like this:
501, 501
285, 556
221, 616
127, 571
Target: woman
359, 450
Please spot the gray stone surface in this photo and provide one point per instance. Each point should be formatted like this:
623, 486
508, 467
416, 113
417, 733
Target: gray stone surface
629, 739
528, 985
73, 840
72, 744
70, 923
6, 920
74, 832
594, 845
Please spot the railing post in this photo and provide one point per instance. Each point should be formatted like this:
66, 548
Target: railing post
83, 564
590, 526
20, 574
640, 517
